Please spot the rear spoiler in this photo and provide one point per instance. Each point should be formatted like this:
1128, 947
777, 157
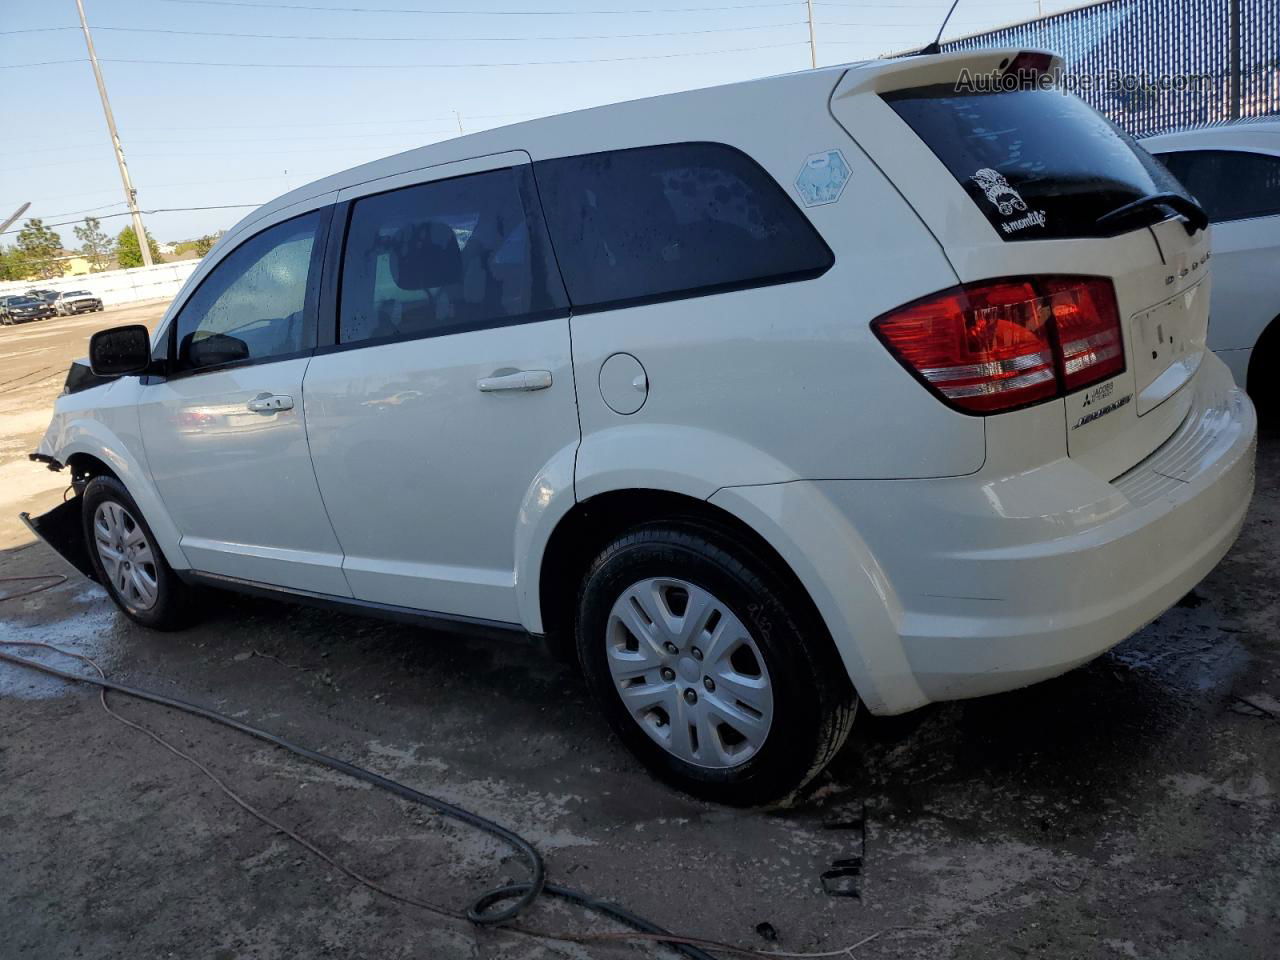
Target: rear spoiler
883, 76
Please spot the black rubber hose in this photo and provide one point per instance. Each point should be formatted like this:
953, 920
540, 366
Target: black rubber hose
481, 911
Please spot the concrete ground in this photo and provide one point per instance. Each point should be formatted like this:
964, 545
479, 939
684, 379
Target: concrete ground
1127, 809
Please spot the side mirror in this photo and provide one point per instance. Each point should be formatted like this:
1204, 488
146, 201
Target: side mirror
120, 351
217, 348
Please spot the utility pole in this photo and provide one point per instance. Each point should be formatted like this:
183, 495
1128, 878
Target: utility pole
457, 116
130, 194
813, 40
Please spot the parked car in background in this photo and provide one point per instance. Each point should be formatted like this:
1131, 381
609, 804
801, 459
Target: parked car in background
76, 301
763, 401
1233, 170
4, 305
44, 296
23, 308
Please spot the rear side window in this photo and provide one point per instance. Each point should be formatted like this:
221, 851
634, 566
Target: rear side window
658, 223
251, 306
436, 258
1229, 184
1040, 164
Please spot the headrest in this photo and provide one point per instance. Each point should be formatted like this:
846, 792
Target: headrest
425, 255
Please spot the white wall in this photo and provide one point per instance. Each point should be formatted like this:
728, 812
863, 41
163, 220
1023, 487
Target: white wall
159, 282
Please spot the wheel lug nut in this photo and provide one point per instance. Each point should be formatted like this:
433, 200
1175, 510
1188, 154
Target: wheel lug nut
709, 684
697, 654
667, 674
671, 648
690, 696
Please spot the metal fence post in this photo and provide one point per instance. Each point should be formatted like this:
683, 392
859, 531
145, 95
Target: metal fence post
1233, 64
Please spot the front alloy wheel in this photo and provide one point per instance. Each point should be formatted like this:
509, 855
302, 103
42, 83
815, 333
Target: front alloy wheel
127, 560
127, 557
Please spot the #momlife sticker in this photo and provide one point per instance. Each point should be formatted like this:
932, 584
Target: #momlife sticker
1007, 200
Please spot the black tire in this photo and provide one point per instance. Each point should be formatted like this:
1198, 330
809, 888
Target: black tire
813, 703
172, 605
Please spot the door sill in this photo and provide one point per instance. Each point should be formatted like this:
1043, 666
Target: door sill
447, 622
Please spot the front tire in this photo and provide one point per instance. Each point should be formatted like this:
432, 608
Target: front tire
708, 667
128, 560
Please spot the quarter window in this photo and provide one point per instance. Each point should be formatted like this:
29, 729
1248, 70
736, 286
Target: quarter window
252, 305
657, 223
443, 257
1229, 184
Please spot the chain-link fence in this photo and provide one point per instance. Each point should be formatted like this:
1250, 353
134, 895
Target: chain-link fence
1153, 65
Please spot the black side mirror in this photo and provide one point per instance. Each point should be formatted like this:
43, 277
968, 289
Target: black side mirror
120, 351
216, 348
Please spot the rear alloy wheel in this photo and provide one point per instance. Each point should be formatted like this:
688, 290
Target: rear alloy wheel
708, 667
126, 559
689, 673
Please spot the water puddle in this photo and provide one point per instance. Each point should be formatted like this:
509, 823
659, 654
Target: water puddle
91, 628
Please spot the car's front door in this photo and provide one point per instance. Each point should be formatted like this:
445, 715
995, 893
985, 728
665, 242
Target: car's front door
446, 406
224, 433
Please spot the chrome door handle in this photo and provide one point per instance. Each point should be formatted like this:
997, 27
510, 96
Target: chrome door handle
518, 380
270, 403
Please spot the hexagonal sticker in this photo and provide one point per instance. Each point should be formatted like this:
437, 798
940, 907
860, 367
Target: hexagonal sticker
822, 178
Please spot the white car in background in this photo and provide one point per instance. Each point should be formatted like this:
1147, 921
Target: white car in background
76, 301
762, 401
1233, 171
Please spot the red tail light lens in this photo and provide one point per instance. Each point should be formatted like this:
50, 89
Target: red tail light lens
1088, 324
1008, 343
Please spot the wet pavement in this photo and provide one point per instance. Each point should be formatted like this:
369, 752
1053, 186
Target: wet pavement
1126, 809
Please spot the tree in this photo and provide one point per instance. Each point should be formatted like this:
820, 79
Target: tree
204, 244
127, 251
12, 264
95, 244
40, 247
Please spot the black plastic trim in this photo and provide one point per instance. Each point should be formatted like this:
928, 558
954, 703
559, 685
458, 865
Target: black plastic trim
455, 623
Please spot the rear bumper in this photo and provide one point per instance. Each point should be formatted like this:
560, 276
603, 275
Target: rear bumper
981, 584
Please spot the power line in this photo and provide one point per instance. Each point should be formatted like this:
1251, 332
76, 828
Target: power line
448, 39
445, 66
126, 213
414, 66
42, 63
72, 213
480, 13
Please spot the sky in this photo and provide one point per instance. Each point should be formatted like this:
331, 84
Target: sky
239, 101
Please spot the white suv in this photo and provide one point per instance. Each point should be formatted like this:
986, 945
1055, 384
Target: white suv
1233, 170
764, 400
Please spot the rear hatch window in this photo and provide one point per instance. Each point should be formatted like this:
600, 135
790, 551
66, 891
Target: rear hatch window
1040, 164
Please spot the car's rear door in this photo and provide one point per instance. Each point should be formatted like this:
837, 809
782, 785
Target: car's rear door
1017, 179
223, 432
443, 405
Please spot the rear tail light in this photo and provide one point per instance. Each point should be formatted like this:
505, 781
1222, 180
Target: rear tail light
1004, 344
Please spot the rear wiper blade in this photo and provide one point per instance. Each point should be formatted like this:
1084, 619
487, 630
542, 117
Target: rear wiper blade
1191, 212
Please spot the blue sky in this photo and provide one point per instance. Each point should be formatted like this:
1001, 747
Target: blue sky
242, 134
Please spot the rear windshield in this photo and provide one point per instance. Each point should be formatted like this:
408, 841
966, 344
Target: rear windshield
1039, 163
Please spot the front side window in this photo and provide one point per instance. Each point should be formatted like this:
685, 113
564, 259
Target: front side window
1229, 184
251, 306
467, 253
658, 223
